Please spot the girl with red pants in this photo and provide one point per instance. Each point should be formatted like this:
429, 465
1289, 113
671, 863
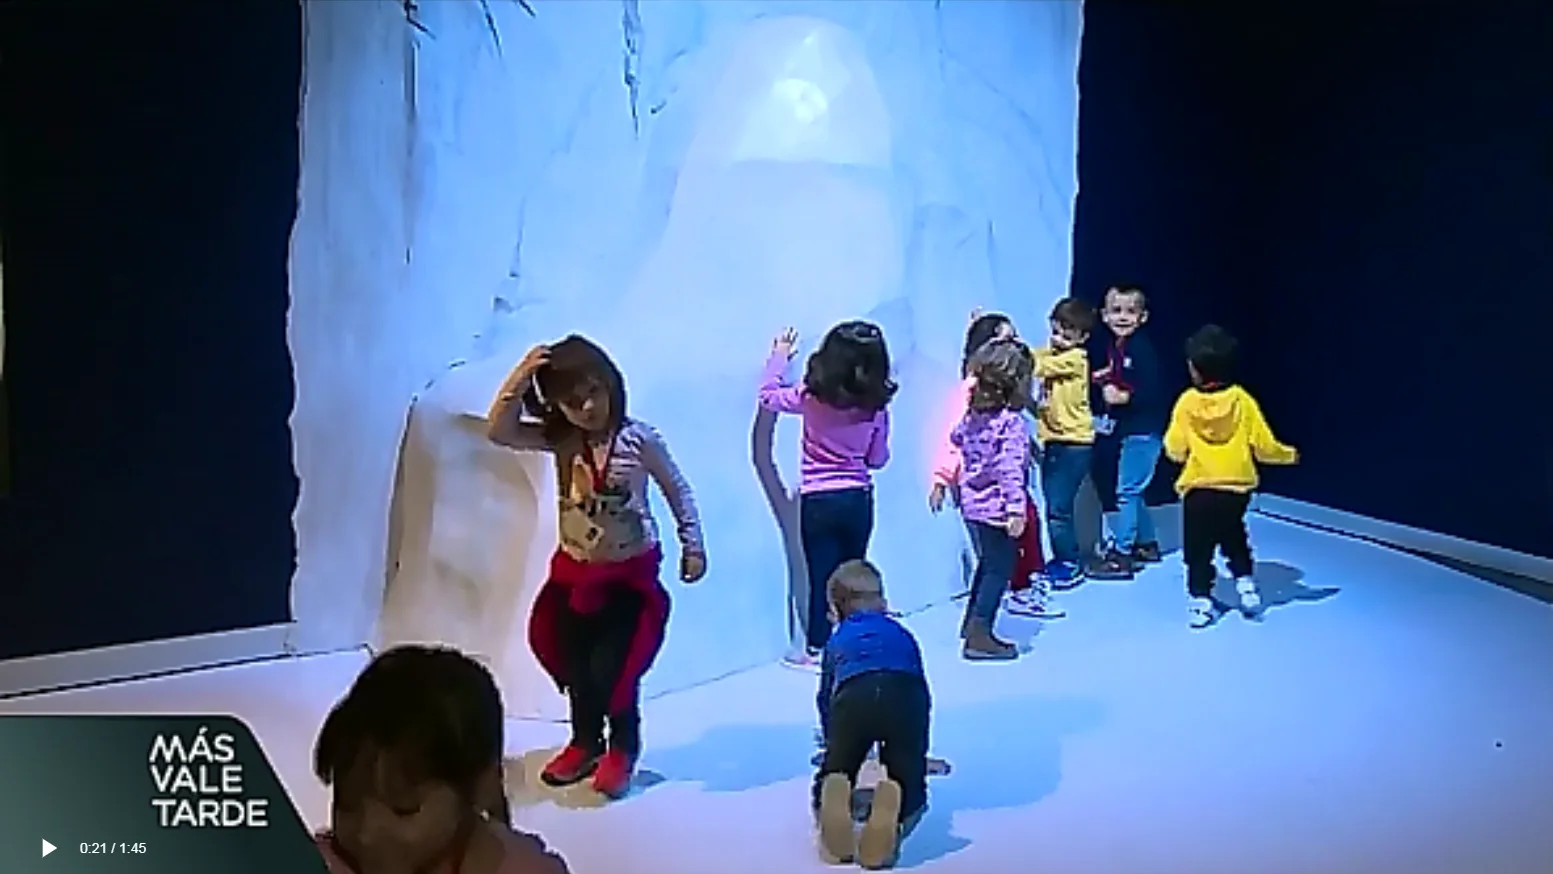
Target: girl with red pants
599, 620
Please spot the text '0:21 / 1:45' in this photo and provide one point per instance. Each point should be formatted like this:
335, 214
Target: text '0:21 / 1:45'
93, 848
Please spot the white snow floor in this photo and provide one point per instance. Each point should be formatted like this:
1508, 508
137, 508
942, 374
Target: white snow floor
1402, 724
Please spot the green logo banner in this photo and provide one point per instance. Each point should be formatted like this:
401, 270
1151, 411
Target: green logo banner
163, 794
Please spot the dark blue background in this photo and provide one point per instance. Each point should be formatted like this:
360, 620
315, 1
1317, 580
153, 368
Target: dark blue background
1364, 194
150, 177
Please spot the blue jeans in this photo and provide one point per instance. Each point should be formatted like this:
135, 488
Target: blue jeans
1063, 468
834, 527
996, 554
1134, 471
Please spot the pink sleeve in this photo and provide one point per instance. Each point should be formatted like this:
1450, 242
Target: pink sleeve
1013, 454
878, 454
775, 394
946, 462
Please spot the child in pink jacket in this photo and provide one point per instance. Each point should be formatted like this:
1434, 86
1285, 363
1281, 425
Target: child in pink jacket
1028, 594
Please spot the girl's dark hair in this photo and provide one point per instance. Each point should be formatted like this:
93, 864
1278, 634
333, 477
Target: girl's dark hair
575, 363
1003, 370
433, 711
1212, 351
978, 335
851, 369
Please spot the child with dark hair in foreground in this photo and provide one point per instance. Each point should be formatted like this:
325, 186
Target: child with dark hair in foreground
872, 691
414, 756
1218, 436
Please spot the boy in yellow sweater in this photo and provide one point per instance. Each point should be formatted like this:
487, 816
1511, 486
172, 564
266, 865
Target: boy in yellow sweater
1218, 436
1066, 431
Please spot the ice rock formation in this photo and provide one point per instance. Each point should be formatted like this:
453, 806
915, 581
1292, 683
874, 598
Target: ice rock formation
678, 180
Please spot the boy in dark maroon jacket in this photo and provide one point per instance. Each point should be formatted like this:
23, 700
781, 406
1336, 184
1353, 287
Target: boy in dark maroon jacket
1135, 402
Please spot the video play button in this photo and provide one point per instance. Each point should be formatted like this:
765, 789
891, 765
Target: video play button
48, 848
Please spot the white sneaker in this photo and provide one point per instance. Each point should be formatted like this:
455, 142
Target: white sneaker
802, 660
1034, 604
1250, 598
1201, 612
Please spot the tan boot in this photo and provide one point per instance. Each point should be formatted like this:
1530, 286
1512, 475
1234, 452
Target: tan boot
981, 645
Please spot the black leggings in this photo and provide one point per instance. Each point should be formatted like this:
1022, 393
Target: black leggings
597, 645
834, 527
887, 708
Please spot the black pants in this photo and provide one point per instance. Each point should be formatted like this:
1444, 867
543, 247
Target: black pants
887, 708
598, 644
1213, 520
835, 527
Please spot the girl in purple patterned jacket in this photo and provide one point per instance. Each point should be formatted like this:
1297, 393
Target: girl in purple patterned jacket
994, 445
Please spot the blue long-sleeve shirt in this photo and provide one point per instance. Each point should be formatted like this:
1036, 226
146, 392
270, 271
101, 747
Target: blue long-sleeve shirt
863, 643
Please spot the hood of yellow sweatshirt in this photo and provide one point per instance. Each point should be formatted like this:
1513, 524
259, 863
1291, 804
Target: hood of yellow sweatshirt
1215, 415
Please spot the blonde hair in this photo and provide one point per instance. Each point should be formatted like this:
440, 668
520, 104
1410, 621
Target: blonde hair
856, 585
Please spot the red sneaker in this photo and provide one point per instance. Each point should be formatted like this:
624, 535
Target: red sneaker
613, 777
572, 765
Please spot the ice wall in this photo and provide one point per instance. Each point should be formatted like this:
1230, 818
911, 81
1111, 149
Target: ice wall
678, 180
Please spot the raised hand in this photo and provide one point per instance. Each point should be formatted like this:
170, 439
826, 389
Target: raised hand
786, 343
534, 359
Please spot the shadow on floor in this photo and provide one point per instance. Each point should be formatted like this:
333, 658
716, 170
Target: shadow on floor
1280, 584
986, 775
989, 774
524, 788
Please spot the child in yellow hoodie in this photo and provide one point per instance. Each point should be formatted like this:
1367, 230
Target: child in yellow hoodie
1218, 436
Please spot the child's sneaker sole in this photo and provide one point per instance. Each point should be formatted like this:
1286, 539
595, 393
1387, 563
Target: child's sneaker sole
877, 846
1034, 610
837, 837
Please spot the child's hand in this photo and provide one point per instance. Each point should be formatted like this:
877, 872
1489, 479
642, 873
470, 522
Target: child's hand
785, 344
1016, 525
1101, 375
692, 567
1115, 396
935, 498
534, 359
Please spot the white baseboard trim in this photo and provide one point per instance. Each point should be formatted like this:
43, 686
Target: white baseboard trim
1508, 561
129, 661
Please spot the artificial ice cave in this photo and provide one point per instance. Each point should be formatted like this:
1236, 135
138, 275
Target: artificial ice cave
678, 180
